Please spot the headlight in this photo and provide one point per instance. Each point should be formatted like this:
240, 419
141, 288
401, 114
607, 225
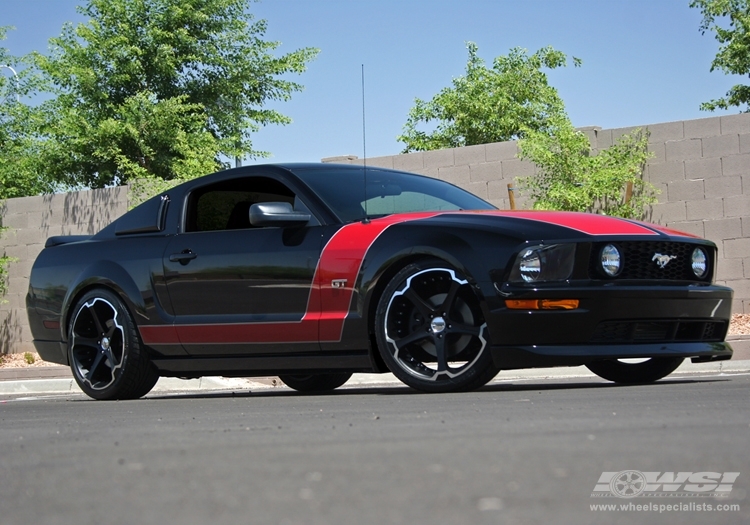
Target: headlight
544, 263
611, 260
698, 262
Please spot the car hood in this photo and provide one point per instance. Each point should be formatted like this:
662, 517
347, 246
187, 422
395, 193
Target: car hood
588, 224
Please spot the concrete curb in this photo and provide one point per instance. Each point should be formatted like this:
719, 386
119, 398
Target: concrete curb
211, 384
165, 384
740, 345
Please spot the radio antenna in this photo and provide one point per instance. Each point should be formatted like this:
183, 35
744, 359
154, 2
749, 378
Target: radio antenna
364, 147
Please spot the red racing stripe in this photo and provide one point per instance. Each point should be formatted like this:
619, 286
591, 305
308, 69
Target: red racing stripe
588, 223
327, 307
342, 259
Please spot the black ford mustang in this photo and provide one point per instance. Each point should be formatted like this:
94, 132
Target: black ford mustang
315, 271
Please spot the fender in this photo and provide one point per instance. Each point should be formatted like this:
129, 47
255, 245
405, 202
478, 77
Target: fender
455, 245
103, 273
389, 256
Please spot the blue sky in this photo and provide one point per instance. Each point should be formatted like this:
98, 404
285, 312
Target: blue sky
644, 61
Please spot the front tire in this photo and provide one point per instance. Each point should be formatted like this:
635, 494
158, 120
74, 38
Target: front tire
105, 351
315, 382
431, 331
634, 373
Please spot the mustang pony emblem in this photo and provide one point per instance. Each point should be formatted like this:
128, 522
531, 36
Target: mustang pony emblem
662, 260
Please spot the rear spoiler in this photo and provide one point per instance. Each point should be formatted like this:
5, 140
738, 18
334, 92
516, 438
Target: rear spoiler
57, 240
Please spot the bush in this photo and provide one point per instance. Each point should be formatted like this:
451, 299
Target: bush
572, 177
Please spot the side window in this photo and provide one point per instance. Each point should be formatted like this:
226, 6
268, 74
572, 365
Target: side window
226, 205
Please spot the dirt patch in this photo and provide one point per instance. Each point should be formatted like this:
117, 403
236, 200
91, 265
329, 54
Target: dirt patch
740, 324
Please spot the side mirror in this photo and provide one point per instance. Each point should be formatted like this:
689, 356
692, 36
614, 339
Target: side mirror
276, 214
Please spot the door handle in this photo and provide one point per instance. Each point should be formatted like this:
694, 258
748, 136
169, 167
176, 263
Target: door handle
183, 257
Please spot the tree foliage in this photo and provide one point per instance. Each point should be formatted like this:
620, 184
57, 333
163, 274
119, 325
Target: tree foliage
730, 20
160, 88
488, 104
572, 177
17, 172
21, 172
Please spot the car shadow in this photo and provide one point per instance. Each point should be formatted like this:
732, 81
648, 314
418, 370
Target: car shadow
402, 390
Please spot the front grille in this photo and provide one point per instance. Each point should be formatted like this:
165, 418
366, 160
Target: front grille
638, 261
660, 331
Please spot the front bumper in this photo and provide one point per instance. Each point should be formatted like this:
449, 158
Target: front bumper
534, 356
612, 322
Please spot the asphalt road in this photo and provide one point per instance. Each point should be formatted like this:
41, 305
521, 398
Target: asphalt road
527, 453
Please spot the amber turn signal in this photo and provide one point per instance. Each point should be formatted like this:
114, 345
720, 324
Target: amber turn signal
542, 304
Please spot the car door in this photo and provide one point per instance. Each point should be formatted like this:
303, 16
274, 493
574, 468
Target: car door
238, 289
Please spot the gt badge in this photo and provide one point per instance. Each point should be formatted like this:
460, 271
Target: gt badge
662, 260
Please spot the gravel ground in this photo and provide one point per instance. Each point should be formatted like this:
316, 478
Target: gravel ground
20, 360
740, 326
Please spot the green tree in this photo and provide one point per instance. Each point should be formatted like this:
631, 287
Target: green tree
571, 177
160, 89
21, 172
18, 176
488, 104
730, 20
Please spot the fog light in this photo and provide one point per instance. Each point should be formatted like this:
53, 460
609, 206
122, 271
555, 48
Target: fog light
698, 262
610, 260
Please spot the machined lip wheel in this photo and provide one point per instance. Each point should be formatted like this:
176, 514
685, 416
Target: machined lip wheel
433, 325
98, 344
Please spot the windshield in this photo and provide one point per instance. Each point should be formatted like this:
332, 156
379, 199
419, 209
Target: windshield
343, 190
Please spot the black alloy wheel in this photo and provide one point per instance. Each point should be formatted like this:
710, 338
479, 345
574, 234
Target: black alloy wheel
105, 351
430, 329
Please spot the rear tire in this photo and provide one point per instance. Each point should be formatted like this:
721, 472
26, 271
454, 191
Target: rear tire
105, 351
633, 373
431, 331
315, 382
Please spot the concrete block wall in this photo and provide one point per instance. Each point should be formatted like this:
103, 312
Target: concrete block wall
703, 170
30, 221
701, 167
